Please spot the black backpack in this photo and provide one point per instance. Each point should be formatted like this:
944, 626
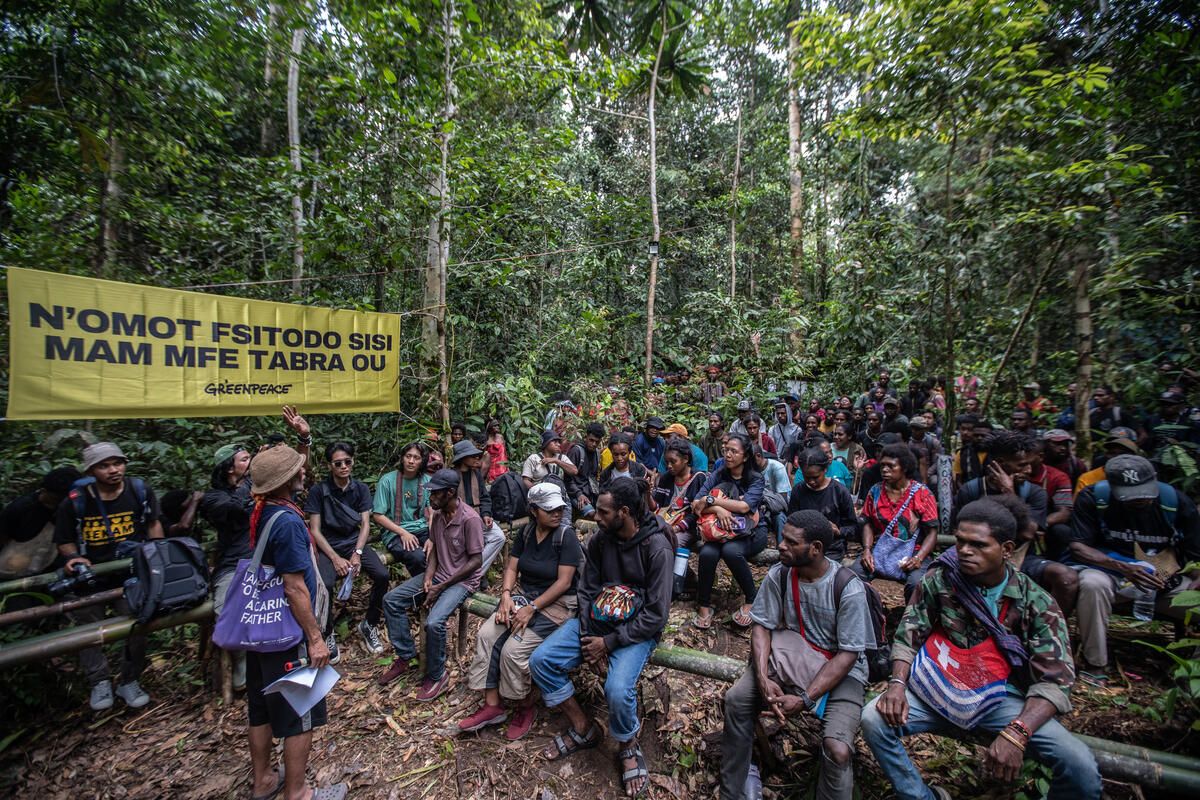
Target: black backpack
879, 659
508, 498
168, 575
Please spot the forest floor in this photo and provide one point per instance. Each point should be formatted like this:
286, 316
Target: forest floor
385, 744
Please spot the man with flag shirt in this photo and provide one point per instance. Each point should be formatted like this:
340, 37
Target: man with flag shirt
973, 609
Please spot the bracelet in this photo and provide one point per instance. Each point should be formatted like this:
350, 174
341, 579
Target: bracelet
506, 591
1017, 743
899, 681
305, 440
1021, 728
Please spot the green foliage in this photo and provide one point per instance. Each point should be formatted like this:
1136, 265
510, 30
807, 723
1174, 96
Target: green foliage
1183, 698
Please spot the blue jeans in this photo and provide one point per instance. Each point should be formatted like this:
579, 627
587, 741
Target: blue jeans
560, 654
409, 595
1074, 767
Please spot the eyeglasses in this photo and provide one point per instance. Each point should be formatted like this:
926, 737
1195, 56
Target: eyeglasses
342, 462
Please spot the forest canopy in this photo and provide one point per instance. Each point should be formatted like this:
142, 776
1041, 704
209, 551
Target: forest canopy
790, 190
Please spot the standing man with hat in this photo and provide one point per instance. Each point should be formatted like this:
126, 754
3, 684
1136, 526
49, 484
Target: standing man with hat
1121, 526
1059, 453
100, 512
453, 572
277, 473
1032, 399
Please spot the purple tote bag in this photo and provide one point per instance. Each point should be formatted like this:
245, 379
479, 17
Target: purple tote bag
256, 615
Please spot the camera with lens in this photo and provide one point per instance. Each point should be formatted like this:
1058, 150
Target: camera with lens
81, 580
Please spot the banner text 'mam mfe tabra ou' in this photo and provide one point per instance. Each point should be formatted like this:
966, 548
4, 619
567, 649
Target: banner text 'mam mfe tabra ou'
86, 348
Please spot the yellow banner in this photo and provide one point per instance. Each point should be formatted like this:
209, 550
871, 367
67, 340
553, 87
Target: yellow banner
86, 348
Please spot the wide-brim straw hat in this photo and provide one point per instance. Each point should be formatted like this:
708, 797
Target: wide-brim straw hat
273, 468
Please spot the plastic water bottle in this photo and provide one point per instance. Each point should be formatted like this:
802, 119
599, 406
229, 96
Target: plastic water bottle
680, 569
1143, 605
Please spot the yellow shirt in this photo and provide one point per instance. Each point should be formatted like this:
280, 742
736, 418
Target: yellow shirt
1089, 478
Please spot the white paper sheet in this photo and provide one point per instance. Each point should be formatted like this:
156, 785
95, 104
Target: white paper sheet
303, 688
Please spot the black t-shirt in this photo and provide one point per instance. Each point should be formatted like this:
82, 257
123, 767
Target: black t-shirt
228, 510
1105, 419
24, 518
127, 521
340, 509
835, 503
538, 563
1123, 525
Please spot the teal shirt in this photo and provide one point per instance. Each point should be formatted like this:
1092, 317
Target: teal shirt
413, 502
992, 596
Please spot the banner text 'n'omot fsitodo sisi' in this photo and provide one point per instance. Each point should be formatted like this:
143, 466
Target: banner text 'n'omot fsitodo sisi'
87, 348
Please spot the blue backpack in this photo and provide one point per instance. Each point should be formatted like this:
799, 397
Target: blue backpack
1168, 502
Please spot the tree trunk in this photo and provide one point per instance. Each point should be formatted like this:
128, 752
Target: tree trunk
948, 291
654, 236
293, 119
266, 135
110, 206
437, 250
733, 207
795, 176
1083, 350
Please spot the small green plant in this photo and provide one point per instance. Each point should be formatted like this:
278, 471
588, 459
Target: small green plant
1183, 697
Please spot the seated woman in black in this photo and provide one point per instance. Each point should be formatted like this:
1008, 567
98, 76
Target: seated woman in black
672, 500
741, 531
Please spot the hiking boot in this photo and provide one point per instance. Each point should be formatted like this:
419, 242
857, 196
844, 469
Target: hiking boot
522, 721
335, 654
370, 637
399, 667
133, 694
432, 690
485, 715
102, 696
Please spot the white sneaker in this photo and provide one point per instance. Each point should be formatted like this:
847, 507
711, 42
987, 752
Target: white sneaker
102, 696
940, 793
133, 694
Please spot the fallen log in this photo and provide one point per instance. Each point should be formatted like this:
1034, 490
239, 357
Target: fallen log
1175, 760
54, 609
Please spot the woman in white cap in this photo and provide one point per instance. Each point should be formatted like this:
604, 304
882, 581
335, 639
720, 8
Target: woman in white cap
543, 563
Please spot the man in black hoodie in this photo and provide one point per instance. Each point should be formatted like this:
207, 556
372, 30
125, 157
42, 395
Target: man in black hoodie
624, 599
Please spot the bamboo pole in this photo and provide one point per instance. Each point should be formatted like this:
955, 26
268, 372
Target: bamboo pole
1142, 753
72, 640
41, 612
34, 582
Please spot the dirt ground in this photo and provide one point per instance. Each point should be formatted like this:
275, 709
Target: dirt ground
187, 744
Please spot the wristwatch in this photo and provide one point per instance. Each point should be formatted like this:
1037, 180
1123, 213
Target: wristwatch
358, 552
808, 701
710, 500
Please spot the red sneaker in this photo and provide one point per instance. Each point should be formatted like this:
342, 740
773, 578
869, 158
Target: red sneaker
432, 690
398, 668
522, 721
484, 716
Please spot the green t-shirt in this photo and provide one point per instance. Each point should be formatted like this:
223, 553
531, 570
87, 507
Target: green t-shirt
413, 501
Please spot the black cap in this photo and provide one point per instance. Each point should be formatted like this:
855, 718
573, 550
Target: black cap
465, 449
550, 436
656, 422
1131, 478
443, 479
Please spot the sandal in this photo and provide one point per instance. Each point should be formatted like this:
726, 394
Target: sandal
741, 618
1096, 678
573, 743
278, 786
337, 791
703, 621
630, 775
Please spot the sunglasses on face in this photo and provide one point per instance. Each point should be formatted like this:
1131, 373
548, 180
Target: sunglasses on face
342, 462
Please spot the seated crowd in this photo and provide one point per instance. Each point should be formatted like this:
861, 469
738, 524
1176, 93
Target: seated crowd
849, 495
